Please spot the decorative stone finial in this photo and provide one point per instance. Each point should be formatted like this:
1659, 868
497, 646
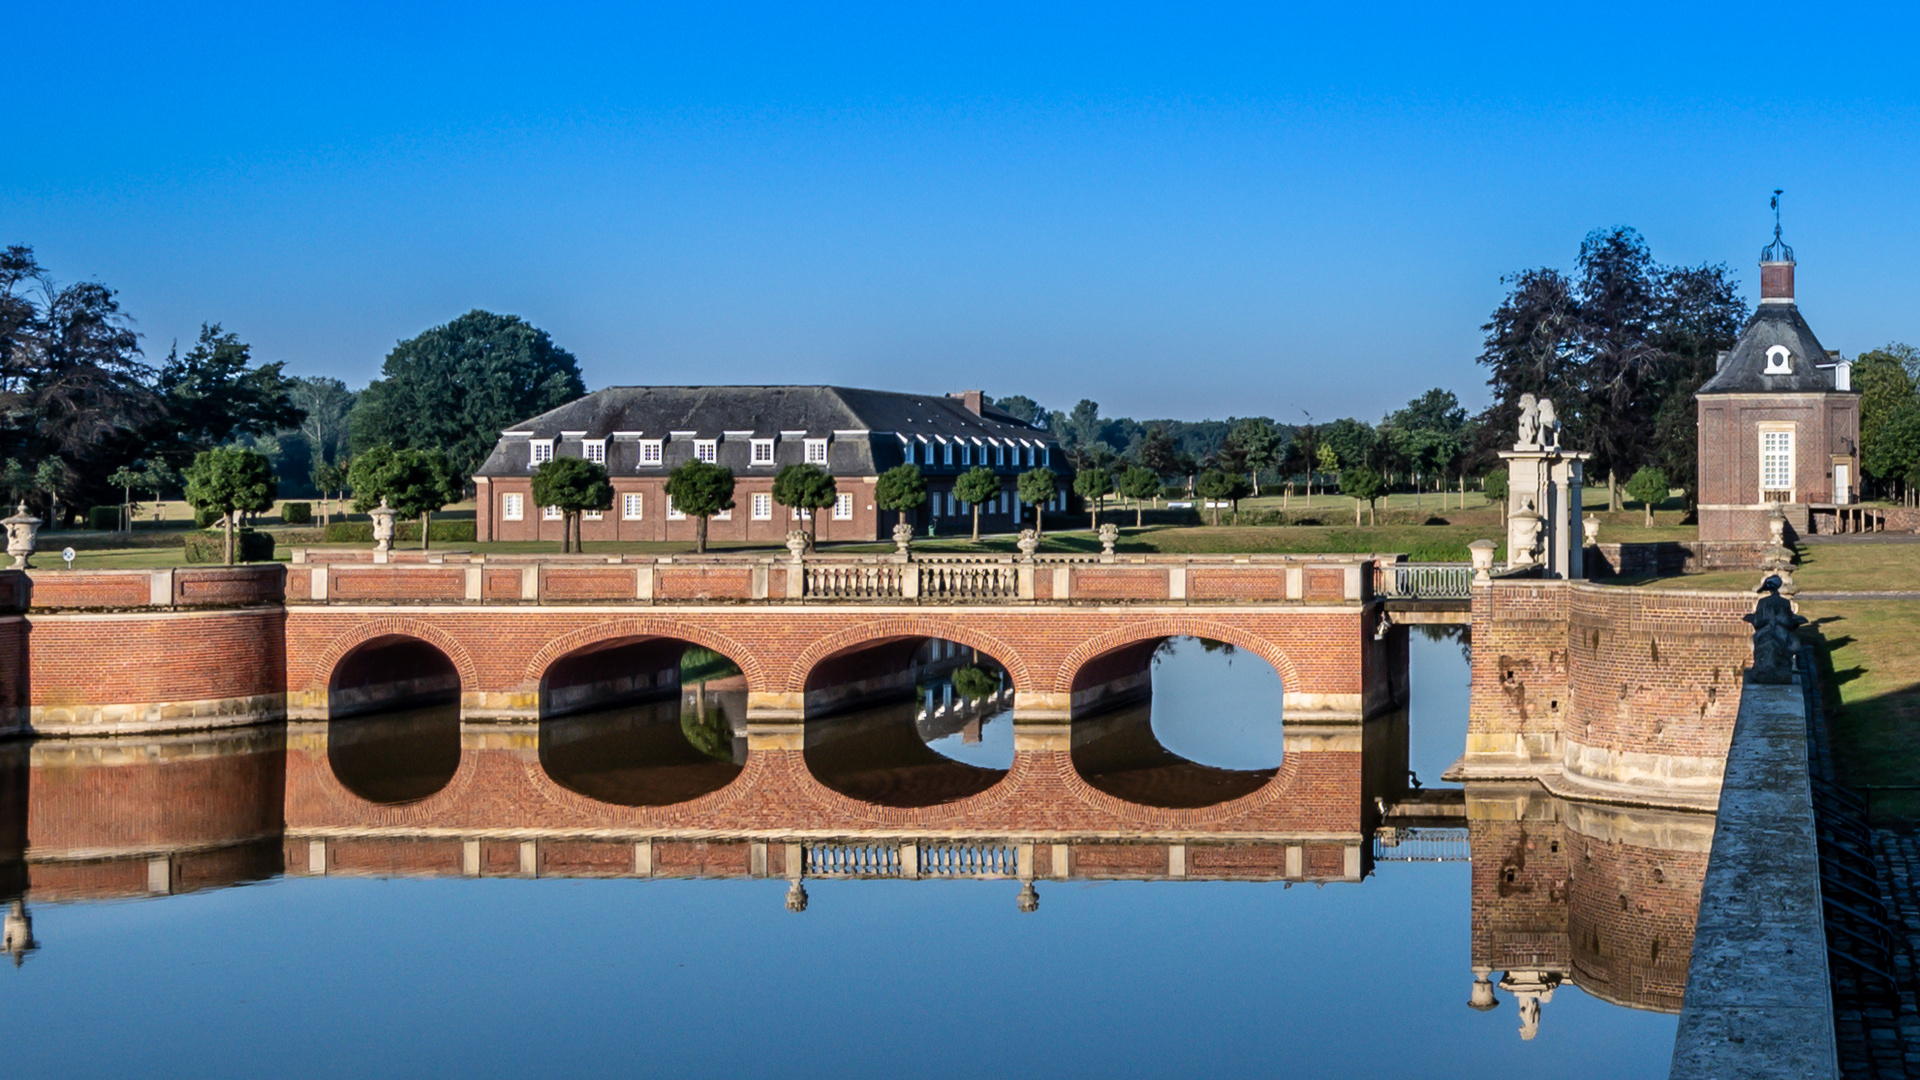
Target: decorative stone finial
16, 934
902, 537
382, 516
1029, 898
1482, 999
796, 897
1591, 527
1028, 543
799, 543
1109, 536
22, 529
1523, 533
1481, 552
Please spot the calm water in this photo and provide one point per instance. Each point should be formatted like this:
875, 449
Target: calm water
403, 975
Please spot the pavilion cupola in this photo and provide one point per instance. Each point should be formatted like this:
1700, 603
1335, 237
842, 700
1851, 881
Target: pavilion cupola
1776, 265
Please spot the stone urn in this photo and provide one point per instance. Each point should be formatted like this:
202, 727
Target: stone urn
796, 897
1482, 553
22, 529
1029, 898
1591, 527
1523, 534
382, 516
16, 936
902, 537
798, 544
1777, 527
1109, 536
1482, 997
1028, 543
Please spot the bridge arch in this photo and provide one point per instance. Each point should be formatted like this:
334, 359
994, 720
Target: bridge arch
327, 667
614, 631
1145, 630
801, 674
393, 717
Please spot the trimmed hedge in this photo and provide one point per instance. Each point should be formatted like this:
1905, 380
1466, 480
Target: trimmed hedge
211, 547
296, 513
204, 518
104, 518
452, 531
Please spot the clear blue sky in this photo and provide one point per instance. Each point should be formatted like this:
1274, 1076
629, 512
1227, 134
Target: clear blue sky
1178, 211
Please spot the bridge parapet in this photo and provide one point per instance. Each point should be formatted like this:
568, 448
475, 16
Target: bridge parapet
355, 577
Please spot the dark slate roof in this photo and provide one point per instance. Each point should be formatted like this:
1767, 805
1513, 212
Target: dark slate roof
865, 426
1745, 369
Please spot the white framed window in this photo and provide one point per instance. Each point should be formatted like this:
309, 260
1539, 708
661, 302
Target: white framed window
594, 450
1046, 455
513, 507
800, 514
650, 451
591, 515
816, 451
673, 512
763, 451
632, 506
843, 506
542, 451
762, 506
1776, 460
707, 450
999, 453
550, 513
1779, 361
946, 453
966, 453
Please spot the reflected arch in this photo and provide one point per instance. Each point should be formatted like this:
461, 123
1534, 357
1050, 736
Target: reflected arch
1177, 721
393, 728
909, 720
642, 720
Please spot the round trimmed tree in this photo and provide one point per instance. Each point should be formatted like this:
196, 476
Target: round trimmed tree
976, 486
230, 480
1650, 488
900, 489
1093, 485
700, 489
1139, 484
805, 487
1361, 484
574, 485
1037, 487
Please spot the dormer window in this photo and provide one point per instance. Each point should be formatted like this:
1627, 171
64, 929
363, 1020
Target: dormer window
542, 451
707, 450
650, 451
816, 451
1779, 361
594, 450
763, 451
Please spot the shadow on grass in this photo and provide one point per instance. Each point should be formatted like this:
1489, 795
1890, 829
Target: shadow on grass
1876, 738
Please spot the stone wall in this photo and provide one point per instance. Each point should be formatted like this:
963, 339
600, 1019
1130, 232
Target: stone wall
1674, 557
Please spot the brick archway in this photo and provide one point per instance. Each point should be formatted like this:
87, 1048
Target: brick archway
396, 626
908, 626
1175, 626
751, 665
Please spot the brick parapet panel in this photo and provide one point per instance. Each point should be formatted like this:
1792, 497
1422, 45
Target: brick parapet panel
131, 590
155, 670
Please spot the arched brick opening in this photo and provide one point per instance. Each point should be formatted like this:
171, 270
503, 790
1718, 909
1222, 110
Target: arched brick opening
880, 703
1120, 745
393, 703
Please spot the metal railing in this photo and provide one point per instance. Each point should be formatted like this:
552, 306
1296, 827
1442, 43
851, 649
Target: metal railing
1421, 845
1424, 581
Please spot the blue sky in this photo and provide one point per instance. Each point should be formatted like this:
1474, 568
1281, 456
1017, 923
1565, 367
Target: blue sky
1175, 211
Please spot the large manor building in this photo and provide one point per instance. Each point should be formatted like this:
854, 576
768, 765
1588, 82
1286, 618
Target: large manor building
640, 433
1779, 420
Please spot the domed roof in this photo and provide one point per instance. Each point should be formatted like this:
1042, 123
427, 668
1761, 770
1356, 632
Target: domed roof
1777, 354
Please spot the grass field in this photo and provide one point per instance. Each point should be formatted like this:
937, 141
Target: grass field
1871, 661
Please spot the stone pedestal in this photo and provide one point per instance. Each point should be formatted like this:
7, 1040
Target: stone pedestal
1544, 485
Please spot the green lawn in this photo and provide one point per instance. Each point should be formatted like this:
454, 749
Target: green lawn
1871, 660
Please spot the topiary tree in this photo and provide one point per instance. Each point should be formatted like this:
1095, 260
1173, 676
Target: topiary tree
1362, 484
1139, 484
414, 483
1093, 485
805, 487
126, 478
1215, 487
574, 485
976, 486
229, 480
1651, 488
701, 489
330, 479
900, 489
1037, 487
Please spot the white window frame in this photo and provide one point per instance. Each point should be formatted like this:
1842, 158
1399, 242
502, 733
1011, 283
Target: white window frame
1029, 455
762, 452
652, 451
592, 515
1784, 433
816, 451
802, 514
673, 512
633, 506
762, 506
707, 450
843, 506
594, 450
539, 451
551, 513
513, 507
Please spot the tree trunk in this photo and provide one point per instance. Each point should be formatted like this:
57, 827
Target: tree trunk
229, 527
976, 523
1649, 521
1039, 520
1356, 513
1095, 510
426, 517
1136, 513
700, 535
1371, 519
1214, 505
1613, 491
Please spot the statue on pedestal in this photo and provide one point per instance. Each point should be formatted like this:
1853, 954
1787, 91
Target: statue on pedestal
1529, 423
1776, 645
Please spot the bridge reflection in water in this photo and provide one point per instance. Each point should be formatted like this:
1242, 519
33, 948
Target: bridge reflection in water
931, 785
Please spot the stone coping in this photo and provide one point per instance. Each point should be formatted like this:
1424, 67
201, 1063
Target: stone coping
451, 556
1758, 1000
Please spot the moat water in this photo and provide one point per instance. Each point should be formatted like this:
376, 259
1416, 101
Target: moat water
247, 970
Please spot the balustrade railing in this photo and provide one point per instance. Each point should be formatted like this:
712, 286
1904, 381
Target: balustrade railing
1423, 581
853, 860
840, 581
969, 860
969, 580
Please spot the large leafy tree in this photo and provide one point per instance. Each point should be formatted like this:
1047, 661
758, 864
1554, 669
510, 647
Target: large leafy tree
700, 489
1139, 483
574, 485
326, 404
231, 480
1430, 435
1888, 379
456, 387
1024, 409
1362, 484
805, 487
974, 487
1260, 444
215, 393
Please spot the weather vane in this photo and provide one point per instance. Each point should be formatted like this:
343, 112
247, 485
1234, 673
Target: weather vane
1777, 251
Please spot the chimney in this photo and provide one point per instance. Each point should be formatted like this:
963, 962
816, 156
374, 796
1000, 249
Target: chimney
1776, 282
974, 400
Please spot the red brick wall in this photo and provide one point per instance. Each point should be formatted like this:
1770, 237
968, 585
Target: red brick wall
88, 795
219, 586
176, 657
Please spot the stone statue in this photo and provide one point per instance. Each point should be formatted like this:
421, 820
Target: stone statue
1109, 536
798, 544
1530, 990
1549, 425
22, 528
1529, 423
902, 536
1776, 645
382, 516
